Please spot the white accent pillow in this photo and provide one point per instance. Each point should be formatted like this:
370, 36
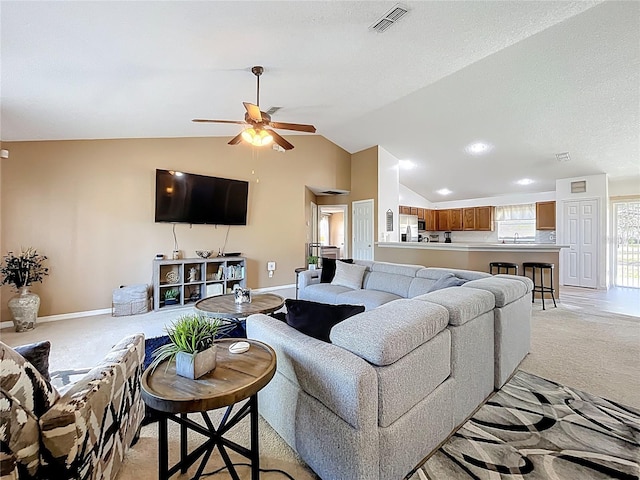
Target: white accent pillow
349, 275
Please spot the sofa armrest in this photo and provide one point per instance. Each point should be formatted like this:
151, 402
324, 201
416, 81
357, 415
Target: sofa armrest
308, 277
341, 381
93, 424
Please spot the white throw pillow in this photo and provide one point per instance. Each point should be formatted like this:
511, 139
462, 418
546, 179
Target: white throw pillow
349, 275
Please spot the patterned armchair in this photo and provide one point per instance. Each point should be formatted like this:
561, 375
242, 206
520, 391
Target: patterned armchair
83, 434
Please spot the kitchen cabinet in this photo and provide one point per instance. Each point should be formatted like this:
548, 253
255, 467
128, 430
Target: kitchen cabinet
404, 210
455, 219
430, 222
469, 218
421, 213
545, 215
484, 218
413, 211
443, 220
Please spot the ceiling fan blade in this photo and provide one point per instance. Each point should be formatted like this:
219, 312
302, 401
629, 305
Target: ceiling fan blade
279, 140
300, 127
236, 140
204, 120
253, 111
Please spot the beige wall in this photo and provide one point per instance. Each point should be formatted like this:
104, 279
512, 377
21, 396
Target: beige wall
89, 206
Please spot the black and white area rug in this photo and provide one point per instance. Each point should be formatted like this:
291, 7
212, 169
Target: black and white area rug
534, 429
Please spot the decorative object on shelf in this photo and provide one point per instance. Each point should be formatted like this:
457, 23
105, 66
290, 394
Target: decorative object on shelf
159, 256
312, 262
191, 345
22, 271
172, 276
193, 274
171, 296
204, 253
177, 255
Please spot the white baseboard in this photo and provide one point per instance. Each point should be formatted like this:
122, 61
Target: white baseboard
102, 311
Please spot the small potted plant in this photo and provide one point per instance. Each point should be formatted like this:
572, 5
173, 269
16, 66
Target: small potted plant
22, 271
191, 345
312, 262
171, 296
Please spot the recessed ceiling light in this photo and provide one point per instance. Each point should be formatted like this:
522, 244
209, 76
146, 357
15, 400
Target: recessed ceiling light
406, 164
525, 181
478, 148
444, 191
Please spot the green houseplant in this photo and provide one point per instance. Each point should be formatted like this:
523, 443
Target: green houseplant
22, 271
191, 345
171, 296
312, 262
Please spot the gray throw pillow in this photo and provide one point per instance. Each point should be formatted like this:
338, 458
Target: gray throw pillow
445, 281
37, 354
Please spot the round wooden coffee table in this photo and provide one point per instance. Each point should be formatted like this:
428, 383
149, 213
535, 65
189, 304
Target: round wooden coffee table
224, 306
235, 378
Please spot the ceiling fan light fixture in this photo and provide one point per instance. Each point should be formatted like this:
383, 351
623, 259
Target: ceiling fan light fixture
257, 137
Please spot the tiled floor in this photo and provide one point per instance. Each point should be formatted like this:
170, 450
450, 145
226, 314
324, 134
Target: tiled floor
621, 300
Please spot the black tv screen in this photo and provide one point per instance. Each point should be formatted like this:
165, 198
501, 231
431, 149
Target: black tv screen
189, 198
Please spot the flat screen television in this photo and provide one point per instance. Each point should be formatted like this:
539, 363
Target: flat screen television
189, 198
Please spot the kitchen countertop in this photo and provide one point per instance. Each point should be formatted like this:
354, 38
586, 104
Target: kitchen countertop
477, 247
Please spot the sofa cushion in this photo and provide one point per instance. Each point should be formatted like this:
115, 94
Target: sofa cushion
22, 381
505, 290
317, 319
20, 435
463, 304
369, 298
434, 273
329, 268
446, 281
323, 292
348, 275
383, 335
37, 354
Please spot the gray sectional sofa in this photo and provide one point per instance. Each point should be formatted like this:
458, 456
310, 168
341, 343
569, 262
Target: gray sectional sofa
397, 379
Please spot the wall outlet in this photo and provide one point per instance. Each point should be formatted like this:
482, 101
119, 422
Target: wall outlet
271, 266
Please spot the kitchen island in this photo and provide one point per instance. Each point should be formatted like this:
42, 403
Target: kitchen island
471, 256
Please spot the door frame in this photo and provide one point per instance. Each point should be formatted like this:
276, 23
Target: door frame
345, 215
353, 223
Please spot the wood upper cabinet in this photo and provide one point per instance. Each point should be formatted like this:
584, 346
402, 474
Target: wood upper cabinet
413, 210
545, 215
421, 213
443, 220
469, 218
455, 219
404, 210
430, 220
484, 218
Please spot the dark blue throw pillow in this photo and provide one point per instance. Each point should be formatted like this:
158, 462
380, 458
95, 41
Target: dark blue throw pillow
37, 354
317, 319
447, 280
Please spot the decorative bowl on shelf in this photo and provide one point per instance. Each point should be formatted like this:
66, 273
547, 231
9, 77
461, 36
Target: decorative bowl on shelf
203, 253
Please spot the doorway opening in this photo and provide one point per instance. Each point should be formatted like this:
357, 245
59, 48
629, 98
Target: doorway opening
332, 231
626, 251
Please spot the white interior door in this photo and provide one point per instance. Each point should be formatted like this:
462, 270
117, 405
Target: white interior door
363, 230
581, 233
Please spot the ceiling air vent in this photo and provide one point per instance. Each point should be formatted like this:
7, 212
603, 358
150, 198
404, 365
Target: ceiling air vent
392, 16
332, 192
563, 157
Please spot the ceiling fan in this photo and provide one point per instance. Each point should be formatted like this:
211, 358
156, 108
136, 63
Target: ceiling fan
256, 121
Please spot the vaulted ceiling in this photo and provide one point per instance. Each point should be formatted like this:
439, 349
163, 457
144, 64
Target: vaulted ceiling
529, 79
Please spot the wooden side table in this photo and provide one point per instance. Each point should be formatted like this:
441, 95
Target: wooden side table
235, 378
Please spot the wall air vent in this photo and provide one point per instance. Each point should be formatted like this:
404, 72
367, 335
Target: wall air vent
332, 192
389, 18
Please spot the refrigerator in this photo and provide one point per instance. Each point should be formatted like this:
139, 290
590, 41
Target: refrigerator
408, 226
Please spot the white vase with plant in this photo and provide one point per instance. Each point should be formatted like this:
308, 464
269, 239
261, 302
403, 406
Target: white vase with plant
22, 271
312, 262
191, 345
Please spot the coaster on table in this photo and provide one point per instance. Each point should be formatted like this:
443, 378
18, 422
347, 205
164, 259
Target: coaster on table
239, 347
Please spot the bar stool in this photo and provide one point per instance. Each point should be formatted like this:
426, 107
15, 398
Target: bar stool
540, 287
503, 265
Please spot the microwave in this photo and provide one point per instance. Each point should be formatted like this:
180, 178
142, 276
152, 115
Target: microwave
421, 225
